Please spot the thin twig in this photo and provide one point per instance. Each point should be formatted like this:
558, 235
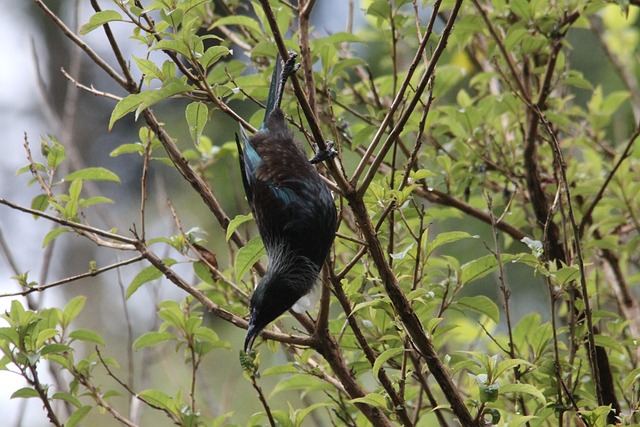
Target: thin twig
91, 273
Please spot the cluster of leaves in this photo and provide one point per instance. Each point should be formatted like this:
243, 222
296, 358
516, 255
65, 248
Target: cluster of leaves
507, 131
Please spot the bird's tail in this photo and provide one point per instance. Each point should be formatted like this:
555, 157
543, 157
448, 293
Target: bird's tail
275, 91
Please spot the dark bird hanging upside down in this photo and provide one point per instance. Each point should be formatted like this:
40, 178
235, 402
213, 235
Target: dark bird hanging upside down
292, 206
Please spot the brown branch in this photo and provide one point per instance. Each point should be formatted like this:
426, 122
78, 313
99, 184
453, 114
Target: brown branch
85, 230
398, 403
42, 394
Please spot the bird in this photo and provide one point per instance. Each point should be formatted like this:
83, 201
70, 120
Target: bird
292, 205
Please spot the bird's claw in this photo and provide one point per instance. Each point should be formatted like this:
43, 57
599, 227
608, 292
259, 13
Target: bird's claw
290, 65
323, 155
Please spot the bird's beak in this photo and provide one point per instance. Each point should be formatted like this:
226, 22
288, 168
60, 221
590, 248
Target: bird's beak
252, 334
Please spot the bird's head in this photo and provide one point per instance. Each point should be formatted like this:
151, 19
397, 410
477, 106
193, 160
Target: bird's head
272, 297
281, 287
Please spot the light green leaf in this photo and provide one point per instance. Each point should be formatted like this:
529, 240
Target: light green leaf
480, 304
40, 203
72, 309
127, 148
567, 274
71, 210
382, 359
55, 349
448, 237
78, 416
236, 222
146, 275
170, 88
479, 268
56, 152
280, 370
93, 174
127, 105
140, 101
95, 200
524, 388
245, 21
301, 414
177, 46
25, 392
148, 67
248, 255
213, 55
152, 338
372, 399
61, 395
158, 398
44, 335
196, 114
86, 335
99, 19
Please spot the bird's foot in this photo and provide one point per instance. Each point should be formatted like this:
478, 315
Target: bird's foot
323, 155
290, 66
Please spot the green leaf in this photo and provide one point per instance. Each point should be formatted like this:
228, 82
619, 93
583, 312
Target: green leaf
158, 398
72, 309
25, 392
245, 21
524, 388
613, 101
127, 148
301, 414
40, 203
44, 335
52, 235
61, 395
148, 67
177, 46
567, 274
213, 55
148, 274
196, 114
140, 101
372, 399
170, 88
248, 255
99, 19
86, 335
448, 237
384, 357
93, 174
95, 200
152, 338
280, 370
71, 210
482, 305
78, 416
236, 222
56, 153
56, 349
631, 378
479, 268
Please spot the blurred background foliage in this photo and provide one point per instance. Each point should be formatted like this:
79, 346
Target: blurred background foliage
472, 150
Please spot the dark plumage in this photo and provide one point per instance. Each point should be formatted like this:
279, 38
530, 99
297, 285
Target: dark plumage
292, 206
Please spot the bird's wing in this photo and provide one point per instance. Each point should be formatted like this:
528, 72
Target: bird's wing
249, 161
